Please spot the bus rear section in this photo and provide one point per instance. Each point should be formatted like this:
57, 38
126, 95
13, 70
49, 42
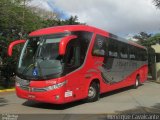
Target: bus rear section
69, 63
124, 63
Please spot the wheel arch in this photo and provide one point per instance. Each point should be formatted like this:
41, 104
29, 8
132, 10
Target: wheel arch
97, 81
92, 83
138, 76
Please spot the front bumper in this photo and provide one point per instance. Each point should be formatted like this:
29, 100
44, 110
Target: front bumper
55, 96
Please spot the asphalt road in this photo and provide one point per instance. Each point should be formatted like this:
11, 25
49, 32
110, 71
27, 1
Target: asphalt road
145, 99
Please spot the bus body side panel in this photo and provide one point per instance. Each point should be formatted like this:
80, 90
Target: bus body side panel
127, 81
143, 72
129, 69
75, 86
80, 80
92, 69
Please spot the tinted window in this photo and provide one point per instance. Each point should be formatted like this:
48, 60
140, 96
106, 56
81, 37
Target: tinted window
77, 50
144, 55
73, 54
113, 48
100, 46
132, 54
40, 58
84, 39
123, 50
137, 54
157, 57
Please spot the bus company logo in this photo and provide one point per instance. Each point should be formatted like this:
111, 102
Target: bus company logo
35, 72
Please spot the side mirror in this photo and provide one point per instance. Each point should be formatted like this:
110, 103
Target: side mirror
64, 42
12, 44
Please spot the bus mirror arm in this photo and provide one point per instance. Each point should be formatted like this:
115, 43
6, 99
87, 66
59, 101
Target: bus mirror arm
64, 42
12, 44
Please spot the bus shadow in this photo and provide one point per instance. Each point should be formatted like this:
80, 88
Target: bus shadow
53, 106
118, 91
70, 105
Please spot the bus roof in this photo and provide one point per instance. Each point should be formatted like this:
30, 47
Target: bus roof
125, 41
57, 29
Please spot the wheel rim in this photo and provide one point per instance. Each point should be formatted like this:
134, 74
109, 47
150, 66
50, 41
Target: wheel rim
91, 92
137, 83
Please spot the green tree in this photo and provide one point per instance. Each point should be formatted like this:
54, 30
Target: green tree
11, 22
142, 38
154, 39
157, 3
148, 39
73, 20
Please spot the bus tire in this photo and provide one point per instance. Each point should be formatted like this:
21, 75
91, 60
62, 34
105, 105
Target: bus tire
137, 83
93, 92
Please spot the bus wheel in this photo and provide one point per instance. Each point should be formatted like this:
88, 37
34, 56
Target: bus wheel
93, 92
137, 82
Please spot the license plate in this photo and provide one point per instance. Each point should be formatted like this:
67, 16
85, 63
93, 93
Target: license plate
31, 96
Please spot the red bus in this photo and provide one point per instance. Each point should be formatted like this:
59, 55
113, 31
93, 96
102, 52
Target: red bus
68, 63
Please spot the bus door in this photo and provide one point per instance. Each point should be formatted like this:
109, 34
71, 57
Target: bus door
72, 64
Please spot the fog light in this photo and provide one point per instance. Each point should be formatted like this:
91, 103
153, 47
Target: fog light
57, 97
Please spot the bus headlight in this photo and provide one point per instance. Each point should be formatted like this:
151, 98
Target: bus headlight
17, 84
21, 82
56, 86
24, 84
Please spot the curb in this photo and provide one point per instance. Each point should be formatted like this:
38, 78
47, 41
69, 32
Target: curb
155, 81
158, 82
7, 90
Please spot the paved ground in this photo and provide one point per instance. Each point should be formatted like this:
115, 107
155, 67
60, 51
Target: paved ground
145, 99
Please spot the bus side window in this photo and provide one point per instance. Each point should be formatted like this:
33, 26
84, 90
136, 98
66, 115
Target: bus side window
157, 57
132, 55
123, 49
73, 55
144, 55
138, 54
70, 57
113, 49
100, 46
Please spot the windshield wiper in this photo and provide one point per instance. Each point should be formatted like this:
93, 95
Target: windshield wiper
27, 68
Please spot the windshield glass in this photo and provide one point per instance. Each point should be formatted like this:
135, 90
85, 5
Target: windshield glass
40, 57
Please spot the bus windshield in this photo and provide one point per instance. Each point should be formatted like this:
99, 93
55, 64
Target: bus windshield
40, 57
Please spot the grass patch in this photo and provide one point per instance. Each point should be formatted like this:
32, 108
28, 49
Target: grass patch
2, 88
